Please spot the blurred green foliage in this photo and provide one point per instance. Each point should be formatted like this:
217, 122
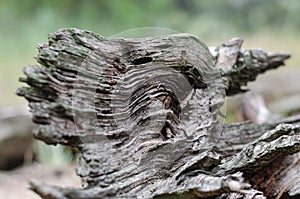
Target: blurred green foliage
53, 156
24, 24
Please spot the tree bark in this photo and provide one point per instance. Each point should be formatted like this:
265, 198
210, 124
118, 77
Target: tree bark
143, 112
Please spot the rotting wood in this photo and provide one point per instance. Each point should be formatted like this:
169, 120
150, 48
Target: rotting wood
143, 112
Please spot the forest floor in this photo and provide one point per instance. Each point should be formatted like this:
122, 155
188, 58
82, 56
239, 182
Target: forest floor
15, 184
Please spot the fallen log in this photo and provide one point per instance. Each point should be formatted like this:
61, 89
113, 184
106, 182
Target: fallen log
143, 113
16, 128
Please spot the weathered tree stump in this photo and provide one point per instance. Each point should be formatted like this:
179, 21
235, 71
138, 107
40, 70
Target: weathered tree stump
143, 112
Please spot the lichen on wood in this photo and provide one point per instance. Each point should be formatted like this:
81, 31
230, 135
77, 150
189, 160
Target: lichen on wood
143, 113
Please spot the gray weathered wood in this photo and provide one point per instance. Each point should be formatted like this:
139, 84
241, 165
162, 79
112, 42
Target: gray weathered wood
143, 112
16, 128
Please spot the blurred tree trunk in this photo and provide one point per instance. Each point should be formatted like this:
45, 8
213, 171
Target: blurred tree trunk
16, 130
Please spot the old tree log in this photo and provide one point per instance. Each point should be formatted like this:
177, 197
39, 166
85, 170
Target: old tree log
144, 114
